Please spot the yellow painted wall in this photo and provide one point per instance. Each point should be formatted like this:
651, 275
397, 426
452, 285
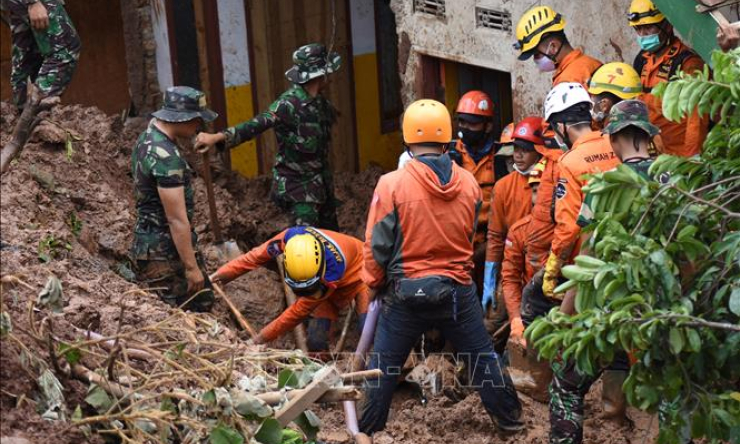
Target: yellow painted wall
452, 94
238, 109
373, 146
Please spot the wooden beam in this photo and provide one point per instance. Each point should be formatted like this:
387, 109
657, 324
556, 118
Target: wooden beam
323, 380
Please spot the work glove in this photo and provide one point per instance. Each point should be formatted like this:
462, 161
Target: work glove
489, 285
552, 273
517, 329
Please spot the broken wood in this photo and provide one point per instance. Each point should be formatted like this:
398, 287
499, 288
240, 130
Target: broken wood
299, 332
323, 380
134, 353
345, 327
332, 395
89, 376
24, 126
243, 323
361, 376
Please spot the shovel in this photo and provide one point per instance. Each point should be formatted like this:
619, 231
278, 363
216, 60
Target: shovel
227, 250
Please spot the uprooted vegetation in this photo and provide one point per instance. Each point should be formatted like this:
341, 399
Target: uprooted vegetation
67, 213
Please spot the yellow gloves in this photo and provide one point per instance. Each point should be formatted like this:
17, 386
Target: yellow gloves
552, 272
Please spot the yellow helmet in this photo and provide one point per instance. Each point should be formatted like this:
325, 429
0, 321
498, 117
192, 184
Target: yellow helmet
304, 263
535, 23
644, 12
617, 78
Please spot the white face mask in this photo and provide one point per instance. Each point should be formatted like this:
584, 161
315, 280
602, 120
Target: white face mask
523, 172
545, 63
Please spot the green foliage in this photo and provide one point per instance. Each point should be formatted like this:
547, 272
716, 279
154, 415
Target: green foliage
664, 280
51, 247
74, 223
222, 434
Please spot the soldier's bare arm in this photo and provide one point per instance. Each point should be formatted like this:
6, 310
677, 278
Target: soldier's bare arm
173, 201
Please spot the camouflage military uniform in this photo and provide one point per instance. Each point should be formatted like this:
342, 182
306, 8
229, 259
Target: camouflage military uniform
156, 162
302, 178
48, 57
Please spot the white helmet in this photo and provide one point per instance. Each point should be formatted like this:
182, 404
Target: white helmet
563, 96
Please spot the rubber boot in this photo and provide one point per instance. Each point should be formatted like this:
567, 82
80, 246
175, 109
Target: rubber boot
612, 397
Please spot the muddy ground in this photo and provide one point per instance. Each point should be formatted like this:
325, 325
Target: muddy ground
74, 207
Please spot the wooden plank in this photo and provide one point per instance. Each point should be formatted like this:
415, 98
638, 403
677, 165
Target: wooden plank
323, 380
338, 394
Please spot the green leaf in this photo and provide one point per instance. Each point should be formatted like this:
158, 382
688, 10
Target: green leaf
291, 436
270, 432
72, 355
247, 405
675, 340
222, 434
694, 340
209, 397
735, 301
287, 378
6, 325
98, 398
309, 424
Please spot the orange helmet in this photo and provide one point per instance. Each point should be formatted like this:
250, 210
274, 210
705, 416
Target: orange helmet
475, 102
507, 134
427, 121
530, 129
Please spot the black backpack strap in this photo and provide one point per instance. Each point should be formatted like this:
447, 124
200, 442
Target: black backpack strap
639, 62
454, 153
678, 60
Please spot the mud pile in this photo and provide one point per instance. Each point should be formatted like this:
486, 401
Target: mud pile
67, 210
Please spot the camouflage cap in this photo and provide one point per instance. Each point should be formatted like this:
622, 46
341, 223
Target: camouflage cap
182, 104
312, 61
630, 113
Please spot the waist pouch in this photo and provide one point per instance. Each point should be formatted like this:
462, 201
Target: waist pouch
425, 290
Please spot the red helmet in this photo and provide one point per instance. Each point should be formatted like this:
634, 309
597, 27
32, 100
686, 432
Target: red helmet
530, 129
475, 102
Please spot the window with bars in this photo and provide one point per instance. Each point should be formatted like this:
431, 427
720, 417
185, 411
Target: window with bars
492, 19
430, 7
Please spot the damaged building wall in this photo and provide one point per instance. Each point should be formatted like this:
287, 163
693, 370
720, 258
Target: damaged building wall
141, 57
600, 28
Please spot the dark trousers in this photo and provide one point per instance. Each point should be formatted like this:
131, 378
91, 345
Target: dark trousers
460, 320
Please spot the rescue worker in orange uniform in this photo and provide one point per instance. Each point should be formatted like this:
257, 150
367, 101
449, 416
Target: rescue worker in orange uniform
322, 267
568, 111
505, 148
541, 33
515, 270
663, 55
418, 258
474, 150
511, 200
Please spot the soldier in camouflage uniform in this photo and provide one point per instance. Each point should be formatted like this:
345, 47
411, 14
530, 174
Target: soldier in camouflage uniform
46, 47
164, 250
302, 119
630, 134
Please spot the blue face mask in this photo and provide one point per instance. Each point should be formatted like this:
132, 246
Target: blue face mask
649, 43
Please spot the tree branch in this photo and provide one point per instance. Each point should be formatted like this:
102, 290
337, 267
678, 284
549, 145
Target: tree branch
706, 202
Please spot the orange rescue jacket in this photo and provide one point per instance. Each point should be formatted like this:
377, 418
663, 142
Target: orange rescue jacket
591, 153
417, 227
539, 236
511, 200
684, 138
516, 271
486, 178
575, 67
346, 288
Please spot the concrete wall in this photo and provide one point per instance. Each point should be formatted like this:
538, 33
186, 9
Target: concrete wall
599, 27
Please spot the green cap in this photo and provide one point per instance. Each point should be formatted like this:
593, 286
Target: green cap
630, 113
182, 104
312, 61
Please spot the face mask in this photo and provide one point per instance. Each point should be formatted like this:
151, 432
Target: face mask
562, 139
471, 138
596, 114
523, 172
649, 43
547, 62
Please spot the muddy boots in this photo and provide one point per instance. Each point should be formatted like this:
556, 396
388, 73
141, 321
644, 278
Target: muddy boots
612, 397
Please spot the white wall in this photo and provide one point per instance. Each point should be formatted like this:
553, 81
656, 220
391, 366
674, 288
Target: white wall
599, 27
362, 17
232, 22
159, 25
